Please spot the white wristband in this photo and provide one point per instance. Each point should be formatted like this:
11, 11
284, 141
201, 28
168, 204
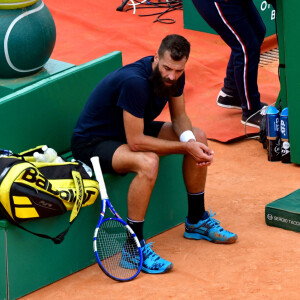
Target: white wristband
186, 136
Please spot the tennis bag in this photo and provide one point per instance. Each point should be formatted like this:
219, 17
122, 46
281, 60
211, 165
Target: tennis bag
32, 190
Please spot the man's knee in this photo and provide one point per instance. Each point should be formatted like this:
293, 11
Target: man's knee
200, 135
148, 164
253, 50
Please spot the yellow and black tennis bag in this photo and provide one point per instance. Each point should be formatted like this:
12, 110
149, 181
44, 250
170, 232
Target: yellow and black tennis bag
31, 190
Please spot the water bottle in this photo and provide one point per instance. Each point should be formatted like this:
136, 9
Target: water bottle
284, 134
85, 166
58, 160
87, 169
4, 153
39, 157
49, 153
273, 139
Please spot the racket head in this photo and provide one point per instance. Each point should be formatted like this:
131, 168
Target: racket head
117, 250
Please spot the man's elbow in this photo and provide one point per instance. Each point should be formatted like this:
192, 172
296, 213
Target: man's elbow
133, 146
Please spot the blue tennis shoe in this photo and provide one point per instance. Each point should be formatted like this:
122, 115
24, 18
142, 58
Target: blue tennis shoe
152, 262
209, 229
130, 260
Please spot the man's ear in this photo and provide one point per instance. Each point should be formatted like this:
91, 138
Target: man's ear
156, 57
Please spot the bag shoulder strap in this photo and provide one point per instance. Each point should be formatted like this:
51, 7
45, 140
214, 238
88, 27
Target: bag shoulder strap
30, 152
57, 240
75, 211
79, 195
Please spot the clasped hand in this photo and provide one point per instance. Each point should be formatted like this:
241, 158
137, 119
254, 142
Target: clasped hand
201, 153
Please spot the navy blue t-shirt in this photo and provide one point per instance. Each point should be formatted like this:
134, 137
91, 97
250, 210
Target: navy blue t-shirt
126, 88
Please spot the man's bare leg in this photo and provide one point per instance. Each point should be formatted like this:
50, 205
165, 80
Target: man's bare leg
194, 176
145, 165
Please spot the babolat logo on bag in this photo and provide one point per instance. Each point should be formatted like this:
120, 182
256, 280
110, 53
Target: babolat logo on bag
32, 176
31, 190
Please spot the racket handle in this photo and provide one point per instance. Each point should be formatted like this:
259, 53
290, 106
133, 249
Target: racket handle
99, 176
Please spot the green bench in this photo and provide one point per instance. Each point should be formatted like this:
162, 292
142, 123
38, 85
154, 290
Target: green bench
45, 112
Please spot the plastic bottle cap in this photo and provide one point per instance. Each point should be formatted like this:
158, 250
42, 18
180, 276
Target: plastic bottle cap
284, 112
271, 110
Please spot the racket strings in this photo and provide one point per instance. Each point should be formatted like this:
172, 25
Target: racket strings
117, 250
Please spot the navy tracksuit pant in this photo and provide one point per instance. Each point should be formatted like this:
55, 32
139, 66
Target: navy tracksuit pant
239, 24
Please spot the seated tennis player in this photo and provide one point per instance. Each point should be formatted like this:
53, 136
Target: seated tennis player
117, 124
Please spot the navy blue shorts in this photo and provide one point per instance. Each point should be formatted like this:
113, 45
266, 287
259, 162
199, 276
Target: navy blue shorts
104, 147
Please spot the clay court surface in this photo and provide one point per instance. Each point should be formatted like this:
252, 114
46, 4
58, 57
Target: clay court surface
264, 263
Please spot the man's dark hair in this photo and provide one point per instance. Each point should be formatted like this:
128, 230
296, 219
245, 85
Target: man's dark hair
178, 46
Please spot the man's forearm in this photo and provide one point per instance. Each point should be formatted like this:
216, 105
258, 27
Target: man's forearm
200, 152
181, 124
159, 146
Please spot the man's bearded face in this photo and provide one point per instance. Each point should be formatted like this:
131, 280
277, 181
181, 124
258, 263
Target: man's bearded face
164, 87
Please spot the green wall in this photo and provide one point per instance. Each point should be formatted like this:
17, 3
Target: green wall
289, 49
192, 19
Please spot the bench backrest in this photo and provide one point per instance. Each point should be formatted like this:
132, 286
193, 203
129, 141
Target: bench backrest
47, 111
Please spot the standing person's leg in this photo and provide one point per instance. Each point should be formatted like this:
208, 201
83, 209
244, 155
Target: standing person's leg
229, 95
199, 223
256, 21
232, 23
252, 23
245, 44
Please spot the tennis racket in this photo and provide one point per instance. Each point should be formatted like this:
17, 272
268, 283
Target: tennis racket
117, 248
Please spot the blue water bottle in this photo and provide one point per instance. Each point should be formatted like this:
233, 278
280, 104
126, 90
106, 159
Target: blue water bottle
4, 152
272, 128
284, 135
